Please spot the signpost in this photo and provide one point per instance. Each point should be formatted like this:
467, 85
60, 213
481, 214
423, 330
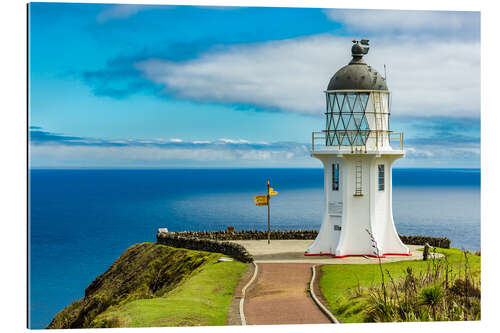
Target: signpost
264, 200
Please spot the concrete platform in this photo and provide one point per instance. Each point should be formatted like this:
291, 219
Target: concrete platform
292, 251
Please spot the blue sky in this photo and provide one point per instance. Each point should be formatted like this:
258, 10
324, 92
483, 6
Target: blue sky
136, 86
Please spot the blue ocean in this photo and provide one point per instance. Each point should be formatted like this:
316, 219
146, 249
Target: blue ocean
82, 220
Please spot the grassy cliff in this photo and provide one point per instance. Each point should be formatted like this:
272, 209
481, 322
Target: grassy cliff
156, 285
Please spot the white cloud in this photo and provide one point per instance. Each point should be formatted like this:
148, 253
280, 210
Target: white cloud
418, 153
224, 140
220, 152
471, 153
440, 22
119, 12
427, 78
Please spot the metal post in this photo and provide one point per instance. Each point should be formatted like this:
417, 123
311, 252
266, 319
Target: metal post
268, 215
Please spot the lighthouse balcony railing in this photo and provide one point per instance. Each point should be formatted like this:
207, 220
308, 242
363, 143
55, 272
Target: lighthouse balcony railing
357, 140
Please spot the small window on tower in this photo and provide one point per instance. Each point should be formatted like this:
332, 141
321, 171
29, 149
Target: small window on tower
381, 177
335, 177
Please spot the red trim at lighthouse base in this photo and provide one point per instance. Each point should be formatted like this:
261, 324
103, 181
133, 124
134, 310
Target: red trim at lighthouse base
357, 255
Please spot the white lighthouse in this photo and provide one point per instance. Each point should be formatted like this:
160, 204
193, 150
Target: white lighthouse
357, 150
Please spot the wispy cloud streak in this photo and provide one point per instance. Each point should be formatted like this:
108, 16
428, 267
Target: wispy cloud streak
49, 149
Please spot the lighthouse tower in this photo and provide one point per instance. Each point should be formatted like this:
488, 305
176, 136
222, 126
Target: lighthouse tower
357, 150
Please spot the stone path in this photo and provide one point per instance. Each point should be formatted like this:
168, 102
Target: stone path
280, 296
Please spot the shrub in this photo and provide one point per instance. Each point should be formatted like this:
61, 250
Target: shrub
435, 294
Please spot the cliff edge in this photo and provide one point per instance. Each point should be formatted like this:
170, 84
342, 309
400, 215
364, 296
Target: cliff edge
144, 271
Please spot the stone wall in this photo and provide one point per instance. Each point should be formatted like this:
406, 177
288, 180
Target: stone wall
442, 242
223, 235
216, 241
250, 234
202, 244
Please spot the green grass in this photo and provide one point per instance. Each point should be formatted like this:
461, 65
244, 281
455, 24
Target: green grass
140, 279
202, 300
340, 283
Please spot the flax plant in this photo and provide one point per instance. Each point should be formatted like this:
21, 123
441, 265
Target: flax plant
435, 294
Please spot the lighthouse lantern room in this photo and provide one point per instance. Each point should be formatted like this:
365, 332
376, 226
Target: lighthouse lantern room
357, 149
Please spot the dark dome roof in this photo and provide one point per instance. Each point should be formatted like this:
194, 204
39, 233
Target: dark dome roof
357, 74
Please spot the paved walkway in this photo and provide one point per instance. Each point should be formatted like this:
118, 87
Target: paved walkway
280, 296
292, 251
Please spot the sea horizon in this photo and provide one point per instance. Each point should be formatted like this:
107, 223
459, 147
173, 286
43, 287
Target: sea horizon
223, 168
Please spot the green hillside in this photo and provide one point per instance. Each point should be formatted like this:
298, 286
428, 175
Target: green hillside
156, 285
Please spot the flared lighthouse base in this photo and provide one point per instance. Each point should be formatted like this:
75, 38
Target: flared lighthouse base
409, 254
357, 239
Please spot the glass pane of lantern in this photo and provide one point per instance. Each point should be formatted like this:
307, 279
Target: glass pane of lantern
330, 102
343, 121
335, 140
347, 121
358, 117
329, 138
364, 123
332, 121
343, 139
329, 125
355, 138
363, 97
358, 139
351, 135
358, 106
335, 121
334, 104
351, 98
340, 100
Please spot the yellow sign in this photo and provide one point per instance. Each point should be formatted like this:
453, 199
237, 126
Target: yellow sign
260, 199
261, 204
272, 191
